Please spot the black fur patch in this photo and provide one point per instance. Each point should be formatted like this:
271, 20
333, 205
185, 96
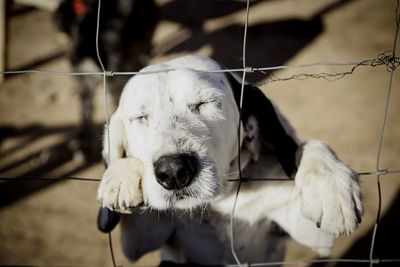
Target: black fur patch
107, 220
272, 131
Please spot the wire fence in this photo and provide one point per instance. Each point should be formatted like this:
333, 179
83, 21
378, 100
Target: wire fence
388, 59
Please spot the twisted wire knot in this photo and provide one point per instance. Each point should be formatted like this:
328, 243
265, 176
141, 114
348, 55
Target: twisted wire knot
390, 61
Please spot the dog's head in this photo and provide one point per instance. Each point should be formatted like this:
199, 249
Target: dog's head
183, 125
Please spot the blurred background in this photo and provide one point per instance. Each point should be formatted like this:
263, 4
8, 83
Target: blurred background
53, 223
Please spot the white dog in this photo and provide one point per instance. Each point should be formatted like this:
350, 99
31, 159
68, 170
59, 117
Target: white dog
173, 146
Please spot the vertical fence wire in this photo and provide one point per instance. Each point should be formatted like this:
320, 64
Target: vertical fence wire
110, 243
381, 137
232, 221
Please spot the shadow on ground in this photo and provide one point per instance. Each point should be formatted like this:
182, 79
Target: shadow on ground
58, 160
271, 44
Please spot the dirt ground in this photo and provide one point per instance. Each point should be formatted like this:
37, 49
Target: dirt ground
54, 223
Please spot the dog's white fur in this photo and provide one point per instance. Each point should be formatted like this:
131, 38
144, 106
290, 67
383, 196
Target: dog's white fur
188, 110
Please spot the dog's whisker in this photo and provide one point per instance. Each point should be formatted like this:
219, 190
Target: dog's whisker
144, 209
201, 214
230, 173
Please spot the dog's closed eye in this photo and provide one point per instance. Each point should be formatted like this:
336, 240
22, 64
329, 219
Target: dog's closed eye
139, 118
197, 108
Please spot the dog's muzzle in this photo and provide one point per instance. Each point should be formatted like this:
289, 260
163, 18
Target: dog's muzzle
176, 171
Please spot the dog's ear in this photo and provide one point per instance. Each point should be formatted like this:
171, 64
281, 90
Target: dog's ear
113, 148
114, 139
263, 126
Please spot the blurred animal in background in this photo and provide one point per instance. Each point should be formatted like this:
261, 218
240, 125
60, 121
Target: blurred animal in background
125, 32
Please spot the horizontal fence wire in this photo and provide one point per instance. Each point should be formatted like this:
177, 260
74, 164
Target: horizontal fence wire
244, 179
278, 263
387, 59
382, 59
73, 178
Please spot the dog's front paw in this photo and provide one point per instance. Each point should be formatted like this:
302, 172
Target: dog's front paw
330, 192
120, 187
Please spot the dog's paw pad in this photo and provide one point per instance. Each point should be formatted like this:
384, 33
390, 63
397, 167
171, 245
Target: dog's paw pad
120, 187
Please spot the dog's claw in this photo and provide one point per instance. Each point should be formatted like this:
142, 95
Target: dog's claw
359, 216
319, 224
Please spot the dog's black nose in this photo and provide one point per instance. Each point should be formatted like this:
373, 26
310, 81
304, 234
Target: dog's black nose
175, 171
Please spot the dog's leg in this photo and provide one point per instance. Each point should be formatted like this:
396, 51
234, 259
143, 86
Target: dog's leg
329, 190
113, 150
324, 201
120, 188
